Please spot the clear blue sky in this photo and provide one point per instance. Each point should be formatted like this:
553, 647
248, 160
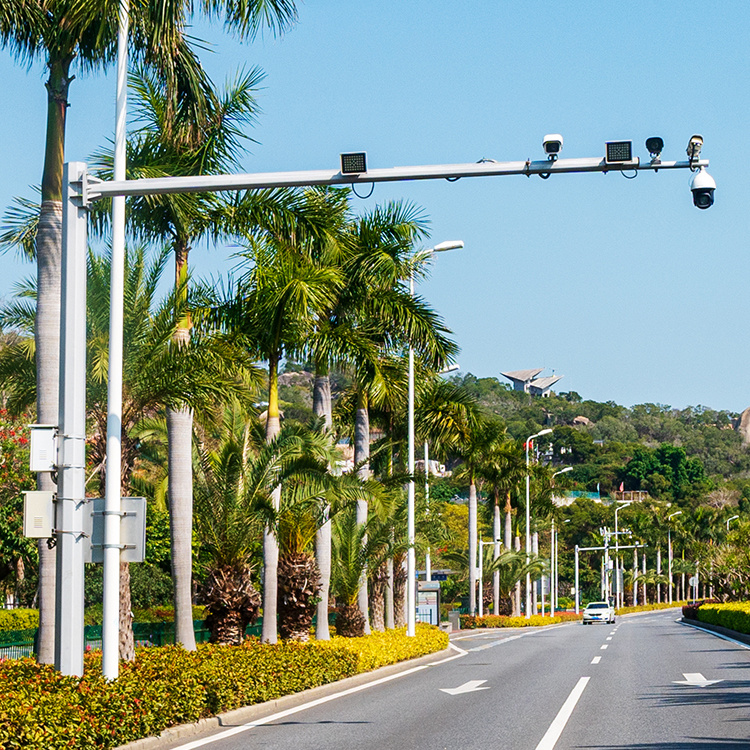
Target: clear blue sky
620, 285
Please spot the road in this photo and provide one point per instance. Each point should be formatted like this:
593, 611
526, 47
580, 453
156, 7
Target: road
645, 683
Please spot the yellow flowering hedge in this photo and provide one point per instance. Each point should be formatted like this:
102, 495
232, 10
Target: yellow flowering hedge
381, 649
39, 708
649, 607
735, 615
469, 622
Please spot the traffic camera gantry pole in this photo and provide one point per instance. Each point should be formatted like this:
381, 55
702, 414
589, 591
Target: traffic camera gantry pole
80, 189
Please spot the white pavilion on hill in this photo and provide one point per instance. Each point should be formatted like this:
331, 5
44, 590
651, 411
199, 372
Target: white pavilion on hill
528, 382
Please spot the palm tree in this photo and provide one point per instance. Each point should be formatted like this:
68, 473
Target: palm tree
503, 471
275, 306
234, 503
381, 318
62, 33
157, 373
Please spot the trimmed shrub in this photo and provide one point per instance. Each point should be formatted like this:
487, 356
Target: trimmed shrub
469, 622
734, 615
647, 607
381, 649
167, 686
19, 619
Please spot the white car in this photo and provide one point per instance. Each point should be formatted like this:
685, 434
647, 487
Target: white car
598, 612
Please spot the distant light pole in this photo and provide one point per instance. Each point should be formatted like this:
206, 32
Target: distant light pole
553, 555
669, 549
411, 567
528, 521
617, 552
729, 520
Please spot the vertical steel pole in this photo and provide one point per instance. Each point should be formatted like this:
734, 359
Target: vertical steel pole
71, 442
111, 573
481, 570
427, 557
411, 593
578, 596
528, 537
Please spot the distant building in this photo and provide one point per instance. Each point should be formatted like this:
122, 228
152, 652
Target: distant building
528, 382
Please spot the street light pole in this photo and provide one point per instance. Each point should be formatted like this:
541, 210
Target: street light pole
528, 521
617, 552
411, 567
669, 549
553, 554
729, 520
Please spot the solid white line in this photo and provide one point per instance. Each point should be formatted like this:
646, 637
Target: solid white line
552, 735
718, 635
596, 659
312, 704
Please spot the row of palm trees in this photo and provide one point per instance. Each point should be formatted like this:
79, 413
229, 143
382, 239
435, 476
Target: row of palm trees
70, 35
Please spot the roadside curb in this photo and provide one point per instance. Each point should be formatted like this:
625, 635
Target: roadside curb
719, 630
246, 714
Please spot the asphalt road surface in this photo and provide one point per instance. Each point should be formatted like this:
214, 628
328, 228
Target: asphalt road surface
645, 683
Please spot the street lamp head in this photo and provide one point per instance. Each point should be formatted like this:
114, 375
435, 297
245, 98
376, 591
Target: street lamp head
447, 245
676, 513
543, 432
451, 368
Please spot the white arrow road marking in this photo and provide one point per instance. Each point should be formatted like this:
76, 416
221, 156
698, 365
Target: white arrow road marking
468, 687
695, 679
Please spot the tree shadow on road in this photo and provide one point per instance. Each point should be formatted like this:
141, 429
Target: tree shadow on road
687, 743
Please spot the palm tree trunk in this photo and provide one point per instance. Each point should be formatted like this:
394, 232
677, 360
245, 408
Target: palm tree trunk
180, 481
47, 324
399, 590
270, 543
377, 599
496, 550
508, 521
390, 614
472, 547
361, 459
180, 487
658, 572
127, 640
322, 408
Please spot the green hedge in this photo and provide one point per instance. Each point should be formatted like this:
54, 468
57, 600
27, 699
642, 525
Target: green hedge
735, 616
469, 622
168, 686
19, 619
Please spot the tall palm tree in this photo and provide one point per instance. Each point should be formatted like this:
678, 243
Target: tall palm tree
69, 33
385, 318
275, 305
503, 471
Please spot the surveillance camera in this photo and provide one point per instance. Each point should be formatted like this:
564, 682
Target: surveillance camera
702, 186
552, 145
695, 144
655, 145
